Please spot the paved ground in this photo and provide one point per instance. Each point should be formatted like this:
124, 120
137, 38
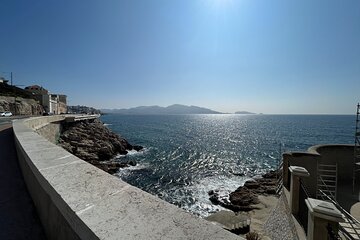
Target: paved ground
18, 218
280, 225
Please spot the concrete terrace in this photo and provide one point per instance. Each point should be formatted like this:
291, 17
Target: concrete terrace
76, 200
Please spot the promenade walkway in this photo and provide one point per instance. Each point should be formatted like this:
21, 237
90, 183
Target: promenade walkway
18, 218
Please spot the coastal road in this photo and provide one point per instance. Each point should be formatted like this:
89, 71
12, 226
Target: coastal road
18, 217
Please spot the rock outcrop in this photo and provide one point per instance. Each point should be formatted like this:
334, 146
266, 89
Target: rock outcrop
245, 197
20, 106
95, 143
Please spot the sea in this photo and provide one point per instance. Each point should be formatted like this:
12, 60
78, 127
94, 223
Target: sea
186, 156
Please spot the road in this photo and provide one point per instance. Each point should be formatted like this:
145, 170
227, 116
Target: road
18, 217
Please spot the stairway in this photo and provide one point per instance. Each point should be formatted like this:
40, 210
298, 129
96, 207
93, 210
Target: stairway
350, 228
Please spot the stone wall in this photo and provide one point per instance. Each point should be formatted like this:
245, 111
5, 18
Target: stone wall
76, 200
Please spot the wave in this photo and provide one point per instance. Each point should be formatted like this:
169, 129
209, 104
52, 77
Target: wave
133, 153
194, 198
123, 172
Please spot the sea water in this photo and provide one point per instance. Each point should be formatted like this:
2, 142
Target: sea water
185, 156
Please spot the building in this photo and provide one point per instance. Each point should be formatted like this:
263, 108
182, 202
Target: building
83, 110
37, 90
52, 103
3, 81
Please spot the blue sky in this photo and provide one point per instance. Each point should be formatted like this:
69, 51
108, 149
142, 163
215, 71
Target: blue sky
282, 56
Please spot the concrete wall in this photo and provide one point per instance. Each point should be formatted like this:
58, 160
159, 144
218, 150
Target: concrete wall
306, 160
51, 131
76, 200
342, 155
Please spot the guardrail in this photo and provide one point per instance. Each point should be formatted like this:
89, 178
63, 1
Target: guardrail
351, 227
76, 200
303, 209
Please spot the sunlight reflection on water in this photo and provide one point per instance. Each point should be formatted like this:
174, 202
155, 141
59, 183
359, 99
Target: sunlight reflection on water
188, 155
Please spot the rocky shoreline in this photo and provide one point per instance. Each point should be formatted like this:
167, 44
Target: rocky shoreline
95, 143
246, 197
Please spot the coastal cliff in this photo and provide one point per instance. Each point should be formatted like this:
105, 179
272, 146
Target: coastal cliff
95, 143
20, 106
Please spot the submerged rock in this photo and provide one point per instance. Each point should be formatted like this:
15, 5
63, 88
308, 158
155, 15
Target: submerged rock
95, 143
138, 148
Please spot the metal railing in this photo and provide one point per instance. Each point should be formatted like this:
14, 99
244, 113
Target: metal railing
279, 180
303, 209
350, 222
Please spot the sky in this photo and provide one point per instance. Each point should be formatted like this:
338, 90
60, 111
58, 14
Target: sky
278, 56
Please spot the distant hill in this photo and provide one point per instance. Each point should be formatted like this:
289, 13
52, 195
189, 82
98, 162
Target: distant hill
82, 110
244, 112
172, 109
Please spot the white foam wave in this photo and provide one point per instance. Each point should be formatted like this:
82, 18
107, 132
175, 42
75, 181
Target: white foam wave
128, 170
133, 153
199, 192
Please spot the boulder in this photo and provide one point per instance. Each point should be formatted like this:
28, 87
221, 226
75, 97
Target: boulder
138, 148
95, 143
243, 197
246, 197
252, 184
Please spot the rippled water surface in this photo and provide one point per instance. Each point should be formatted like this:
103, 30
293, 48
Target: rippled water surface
187, 155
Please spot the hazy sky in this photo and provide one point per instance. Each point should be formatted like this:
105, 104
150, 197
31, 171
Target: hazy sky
265, 56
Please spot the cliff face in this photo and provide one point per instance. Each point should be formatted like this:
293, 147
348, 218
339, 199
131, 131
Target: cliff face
20, 106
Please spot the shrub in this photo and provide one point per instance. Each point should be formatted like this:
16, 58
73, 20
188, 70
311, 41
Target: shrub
253, 236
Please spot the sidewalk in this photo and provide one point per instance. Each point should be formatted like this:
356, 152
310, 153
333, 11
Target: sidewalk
18, 217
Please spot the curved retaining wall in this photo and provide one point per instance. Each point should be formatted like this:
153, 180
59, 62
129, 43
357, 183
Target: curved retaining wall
76, 200
340, 154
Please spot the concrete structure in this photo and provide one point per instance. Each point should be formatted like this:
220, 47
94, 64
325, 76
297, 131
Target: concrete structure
331, 171
296, 173
52, 103
3, 80
76, 200
341, 155
321, 216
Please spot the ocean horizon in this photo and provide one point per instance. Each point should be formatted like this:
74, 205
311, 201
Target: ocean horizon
185, 156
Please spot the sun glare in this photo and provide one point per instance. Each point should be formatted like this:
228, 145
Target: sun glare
220, 3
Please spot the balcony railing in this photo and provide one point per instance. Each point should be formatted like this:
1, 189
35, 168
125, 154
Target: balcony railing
303, 209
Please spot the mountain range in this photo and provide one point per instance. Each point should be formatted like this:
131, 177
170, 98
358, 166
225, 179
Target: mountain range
172, 109
244, 112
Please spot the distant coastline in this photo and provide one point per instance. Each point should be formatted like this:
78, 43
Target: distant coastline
169, 110
172, 109
244, 112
